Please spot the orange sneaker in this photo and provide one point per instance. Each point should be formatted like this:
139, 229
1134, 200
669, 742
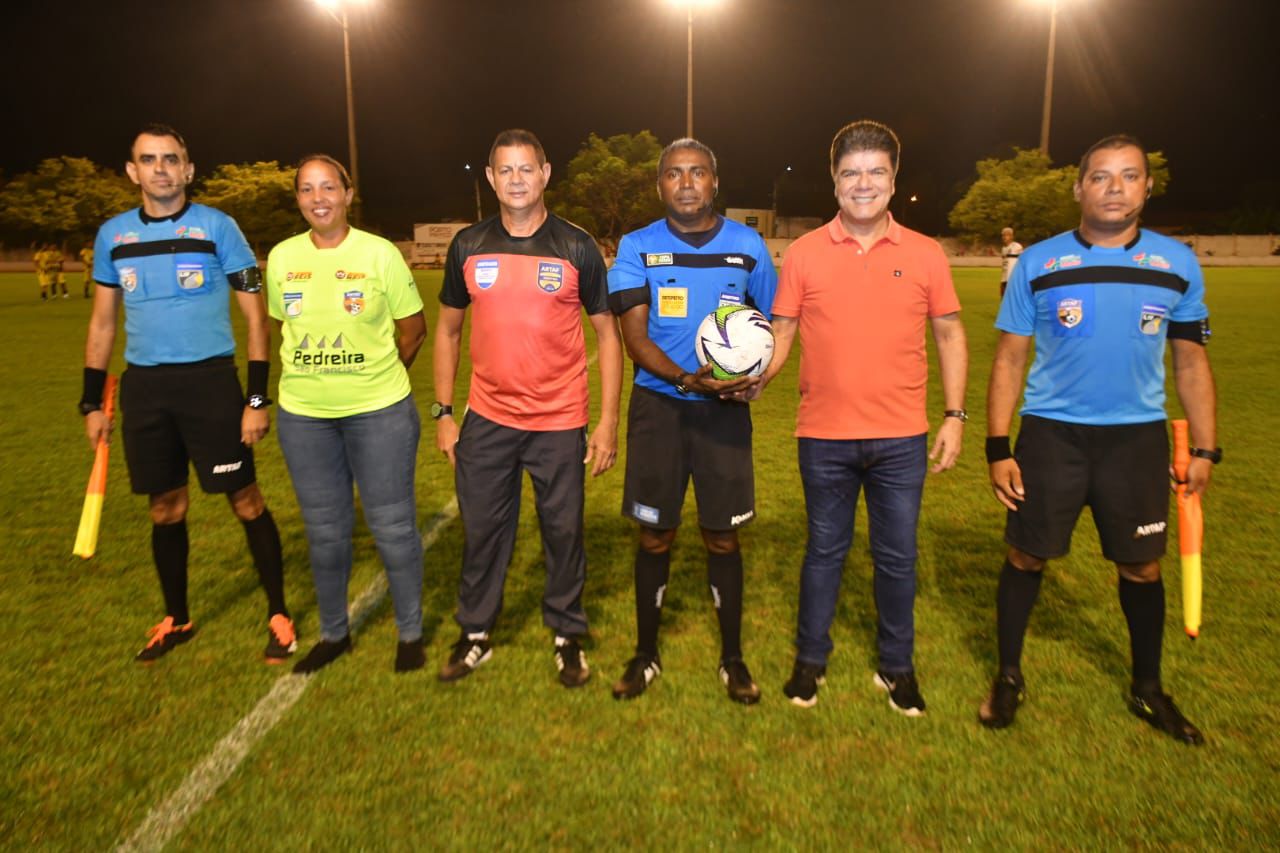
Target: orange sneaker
164, 637
282, 640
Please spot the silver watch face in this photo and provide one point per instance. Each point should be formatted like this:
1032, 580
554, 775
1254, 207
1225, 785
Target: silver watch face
256, 401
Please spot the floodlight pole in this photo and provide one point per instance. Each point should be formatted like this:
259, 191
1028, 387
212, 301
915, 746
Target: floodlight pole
1048, 78
476, 176
689, 99
777, 179
351, 115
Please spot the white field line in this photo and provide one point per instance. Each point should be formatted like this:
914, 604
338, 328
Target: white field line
168, 818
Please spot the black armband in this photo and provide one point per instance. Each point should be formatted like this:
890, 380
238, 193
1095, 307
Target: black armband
248, 280
622, 301
1196, 331
998, 449
258, 373
95, 381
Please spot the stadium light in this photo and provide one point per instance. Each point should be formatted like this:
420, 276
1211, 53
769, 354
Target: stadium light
337, 9
475, 174
689, 6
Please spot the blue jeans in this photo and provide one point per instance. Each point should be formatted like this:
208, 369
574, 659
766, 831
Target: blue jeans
892, 470
378, 450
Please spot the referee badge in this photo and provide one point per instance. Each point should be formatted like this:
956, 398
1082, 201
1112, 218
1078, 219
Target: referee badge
292, 304
129, 279
1151, 318
550, 276
353, 302
486, 273
1070, 312
190, 276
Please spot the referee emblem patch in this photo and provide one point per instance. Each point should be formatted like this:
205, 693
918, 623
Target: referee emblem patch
190, 276
293, 304
129, 279
659, 259
353, 302
1070, 312
550, 276
486, 274
1152, 317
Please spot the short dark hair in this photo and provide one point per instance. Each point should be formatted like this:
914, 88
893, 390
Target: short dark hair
323, 158
518, 136
1115, 140
155, 128
865, 135
689, 144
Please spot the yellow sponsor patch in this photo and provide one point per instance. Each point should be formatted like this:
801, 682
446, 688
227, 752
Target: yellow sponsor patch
673, 302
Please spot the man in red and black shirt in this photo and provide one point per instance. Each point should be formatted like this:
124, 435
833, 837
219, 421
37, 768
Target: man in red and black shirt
527, 275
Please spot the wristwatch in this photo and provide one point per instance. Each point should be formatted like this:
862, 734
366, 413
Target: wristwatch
961, 414
258, 401
680, 384
86, 408
439, 410
1214, 456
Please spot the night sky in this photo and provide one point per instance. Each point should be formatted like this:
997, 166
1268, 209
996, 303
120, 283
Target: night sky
774, 79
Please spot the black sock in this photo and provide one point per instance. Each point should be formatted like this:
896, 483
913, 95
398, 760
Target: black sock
1015, 597
169, 550
724, 574
652, 572
1143, 606
264, 544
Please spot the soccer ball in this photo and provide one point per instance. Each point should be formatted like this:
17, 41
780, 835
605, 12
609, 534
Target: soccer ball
736, 340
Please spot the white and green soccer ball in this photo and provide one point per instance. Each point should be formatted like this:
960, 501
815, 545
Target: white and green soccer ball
736, 340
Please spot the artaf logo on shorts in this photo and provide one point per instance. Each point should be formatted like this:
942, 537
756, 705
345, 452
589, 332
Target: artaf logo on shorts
550, 276
353, 302
742, 519
486, 273
1070, 312
1149, 529
129, 279
297, 276
644, 513
659, 259
190, 276
227, 467
292, 304
1152, 317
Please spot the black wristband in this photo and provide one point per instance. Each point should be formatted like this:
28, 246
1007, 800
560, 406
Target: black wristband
95, 381
998, 448
258, 373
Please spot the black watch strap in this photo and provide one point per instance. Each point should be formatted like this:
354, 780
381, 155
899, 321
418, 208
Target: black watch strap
258, 401
439, 410
961, 415
680, 384
1214, 456
86, 408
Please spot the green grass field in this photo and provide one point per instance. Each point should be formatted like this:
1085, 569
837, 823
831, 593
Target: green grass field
91, 742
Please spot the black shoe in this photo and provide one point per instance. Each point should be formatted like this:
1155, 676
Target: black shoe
640, 672
165, 637
997, 711
904, 692
802, 687
322, 654
571, 660
410, 656
1158, 709
469, 652
735, 676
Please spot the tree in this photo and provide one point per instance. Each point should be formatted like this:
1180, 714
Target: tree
609, 187
259, 197
1025, 191
64, 199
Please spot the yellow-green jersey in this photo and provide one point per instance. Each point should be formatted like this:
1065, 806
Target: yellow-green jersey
86, 257
338, 309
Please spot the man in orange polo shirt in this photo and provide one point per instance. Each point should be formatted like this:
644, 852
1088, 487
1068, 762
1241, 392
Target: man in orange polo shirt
860, 291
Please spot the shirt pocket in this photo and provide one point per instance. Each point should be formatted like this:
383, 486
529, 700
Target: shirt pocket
1072, 312
1149, 316
195, 274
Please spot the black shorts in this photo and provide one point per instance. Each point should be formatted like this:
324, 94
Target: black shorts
1120, 472
669, 441
179, 413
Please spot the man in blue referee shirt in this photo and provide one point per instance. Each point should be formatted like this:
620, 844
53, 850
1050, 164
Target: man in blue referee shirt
173, 264
682, 423
1099, 303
